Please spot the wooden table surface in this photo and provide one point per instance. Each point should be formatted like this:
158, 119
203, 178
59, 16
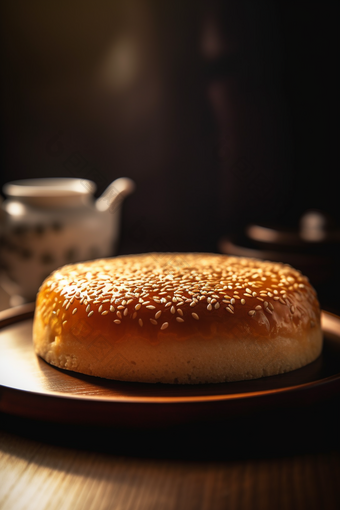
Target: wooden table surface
283, 459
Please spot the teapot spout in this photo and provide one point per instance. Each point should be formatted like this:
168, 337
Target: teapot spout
114, 194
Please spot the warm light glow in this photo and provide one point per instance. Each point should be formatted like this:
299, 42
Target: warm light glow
120, 67
16, 209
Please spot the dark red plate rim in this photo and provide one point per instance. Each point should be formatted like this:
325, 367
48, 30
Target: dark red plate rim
167, 403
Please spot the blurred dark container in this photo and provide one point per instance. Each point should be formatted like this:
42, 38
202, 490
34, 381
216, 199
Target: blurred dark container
313, 247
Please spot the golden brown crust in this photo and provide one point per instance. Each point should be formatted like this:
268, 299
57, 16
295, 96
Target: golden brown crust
148, 312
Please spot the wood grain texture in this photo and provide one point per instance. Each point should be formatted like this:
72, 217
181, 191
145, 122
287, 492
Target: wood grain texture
40, 476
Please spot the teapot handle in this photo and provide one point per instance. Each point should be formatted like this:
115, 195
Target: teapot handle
3, 213
114, 194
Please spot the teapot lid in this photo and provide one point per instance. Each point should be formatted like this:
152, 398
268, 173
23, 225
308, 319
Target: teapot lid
49, 187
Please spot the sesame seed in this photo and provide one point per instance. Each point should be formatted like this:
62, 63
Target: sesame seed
122, 282
91, 313
179, 319
151, 307
140, 322
173, 309
258, 307
117, 321
164, 325
251, 312
195, 316
153, 321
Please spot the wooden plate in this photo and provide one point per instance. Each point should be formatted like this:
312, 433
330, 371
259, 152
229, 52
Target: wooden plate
31, 388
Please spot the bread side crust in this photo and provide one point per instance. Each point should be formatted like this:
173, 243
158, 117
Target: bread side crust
192, 361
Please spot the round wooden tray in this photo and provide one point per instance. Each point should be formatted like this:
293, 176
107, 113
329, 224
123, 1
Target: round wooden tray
30, 387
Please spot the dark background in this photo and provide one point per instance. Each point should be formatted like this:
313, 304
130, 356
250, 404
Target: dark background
223, 112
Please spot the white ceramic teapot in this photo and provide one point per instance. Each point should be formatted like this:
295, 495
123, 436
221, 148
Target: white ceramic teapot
46, 223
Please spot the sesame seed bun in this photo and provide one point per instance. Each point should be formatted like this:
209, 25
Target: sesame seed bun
177, 318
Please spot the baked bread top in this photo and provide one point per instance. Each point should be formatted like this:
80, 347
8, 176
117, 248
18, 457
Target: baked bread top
202, 300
